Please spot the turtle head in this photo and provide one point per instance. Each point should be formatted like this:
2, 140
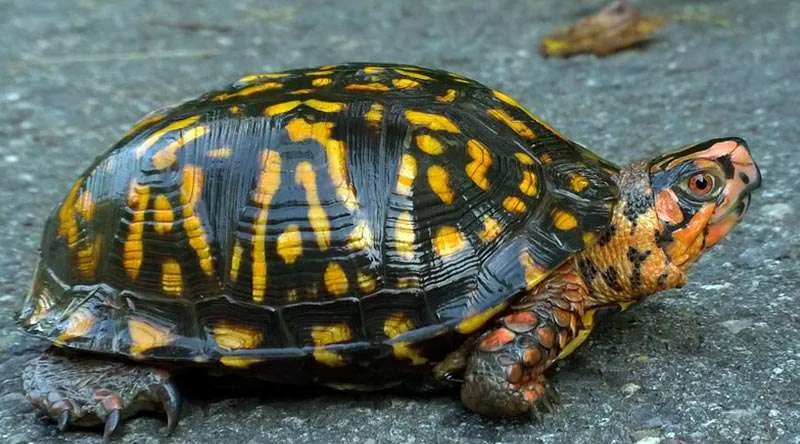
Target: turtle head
701, 192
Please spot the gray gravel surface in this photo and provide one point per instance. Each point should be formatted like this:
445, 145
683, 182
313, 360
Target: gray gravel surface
716, 361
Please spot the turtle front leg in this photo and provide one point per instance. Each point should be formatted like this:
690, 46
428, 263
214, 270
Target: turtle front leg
505, 372
85, 391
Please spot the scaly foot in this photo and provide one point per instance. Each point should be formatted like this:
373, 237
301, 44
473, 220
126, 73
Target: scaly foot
85, 392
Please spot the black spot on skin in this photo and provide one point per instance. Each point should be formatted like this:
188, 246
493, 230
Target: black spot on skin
611, 276
588, 269
662, 278
635, 191
727, 166
744, 178
636, 204
636, 258
605, 238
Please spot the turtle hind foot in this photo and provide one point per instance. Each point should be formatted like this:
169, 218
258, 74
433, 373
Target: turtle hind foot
74, 390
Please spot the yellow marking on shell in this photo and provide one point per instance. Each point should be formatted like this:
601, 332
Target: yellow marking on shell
412, 74
518, 126
248, 91
191, 193
481, 161
588, 238
291, 295
406, 175
375, 114
300, 92
85, 205
524, 158
325, 107
79, 324
321, 81
366, 282
405, 83
491, 229
145, 336
429, 144
476, 321
235, 109
404, 350
261, 76
514, 204
166, 157
529, 185
269, 181
405, 235
68, 227
448, 240
439, 181
337, 169
328, 357
219, 153
361, 237
545, 158
505, 98
434, 122
578, 182
229, 336
157, 135
336, 280
317, 217
396, 324
87, 258
280, 108
407, 282
373, 69
374, 87
299, 130
239, 361
144, 122
171, 279
133, 248
163, 214
447, 97
533, 272
564, 220
290, 244
321, 72
331, 334
236, 260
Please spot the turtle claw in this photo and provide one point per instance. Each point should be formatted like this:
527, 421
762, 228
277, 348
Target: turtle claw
63, 420
112, 424
171, 402
87, 392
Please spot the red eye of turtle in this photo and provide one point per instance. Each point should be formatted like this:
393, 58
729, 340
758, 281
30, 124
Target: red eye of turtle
701, 184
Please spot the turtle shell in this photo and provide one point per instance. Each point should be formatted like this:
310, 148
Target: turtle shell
340, 216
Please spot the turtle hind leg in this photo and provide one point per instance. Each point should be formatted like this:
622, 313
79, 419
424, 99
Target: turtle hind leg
85, 391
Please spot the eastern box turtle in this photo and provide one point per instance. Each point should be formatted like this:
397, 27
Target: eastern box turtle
356, 226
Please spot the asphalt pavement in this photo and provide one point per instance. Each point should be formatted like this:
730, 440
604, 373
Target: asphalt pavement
716, 361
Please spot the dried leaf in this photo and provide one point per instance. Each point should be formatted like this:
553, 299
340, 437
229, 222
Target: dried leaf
617, 26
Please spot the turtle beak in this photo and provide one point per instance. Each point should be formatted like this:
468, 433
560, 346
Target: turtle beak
745, 177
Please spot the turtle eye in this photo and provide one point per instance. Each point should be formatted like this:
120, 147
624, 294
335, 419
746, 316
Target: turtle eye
702, 185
